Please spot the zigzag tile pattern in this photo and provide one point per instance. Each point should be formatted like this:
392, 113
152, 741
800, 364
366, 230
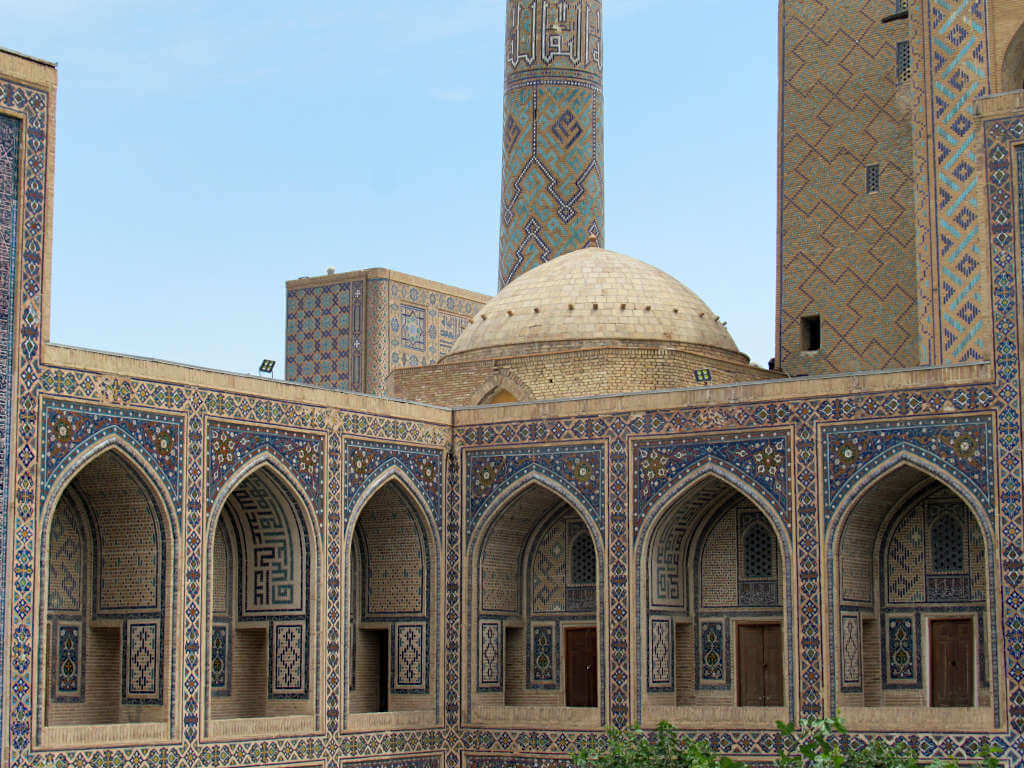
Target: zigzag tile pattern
845, 255
958, 55
552, 190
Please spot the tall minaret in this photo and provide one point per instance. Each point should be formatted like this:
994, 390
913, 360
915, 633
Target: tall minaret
552, 182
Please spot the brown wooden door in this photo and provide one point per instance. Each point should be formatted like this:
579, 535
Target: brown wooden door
760, 665
952, 670
581, 667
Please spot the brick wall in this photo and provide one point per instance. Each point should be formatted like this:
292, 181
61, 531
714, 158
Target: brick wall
845, 255
548, 375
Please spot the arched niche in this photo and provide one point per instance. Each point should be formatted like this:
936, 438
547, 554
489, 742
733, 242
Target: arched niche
392, 618
263, 616
715, 629
536, 633
1011, 72
911, 605
109, 559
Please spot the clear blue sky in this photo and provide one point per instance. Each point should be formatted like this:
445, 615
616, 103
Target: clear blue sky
208, 152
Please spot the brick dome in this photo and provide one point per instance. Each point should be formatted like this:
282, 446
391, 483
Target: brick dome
593, 295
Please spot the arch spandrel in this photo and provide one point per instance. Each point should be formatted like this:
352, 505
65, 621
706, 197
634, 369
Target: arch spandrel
73, 433
758, 464
956, 450
576, 473
369, 464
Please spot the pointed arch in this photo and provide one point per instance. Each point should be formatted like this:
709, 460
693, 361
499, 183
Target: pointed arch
503, 614
542, 479
121, 444
292, 625
700, 472
731, 485
885, 466
901, 478
393, 474
403, 627
155, 625
497, 382
272, 463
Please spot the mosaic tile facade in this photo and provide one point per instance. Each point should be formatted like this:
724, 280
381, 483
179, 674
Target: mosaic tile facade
552, 190
662, 656
142, 661
491, 657
829, 442
348, 331
324, 337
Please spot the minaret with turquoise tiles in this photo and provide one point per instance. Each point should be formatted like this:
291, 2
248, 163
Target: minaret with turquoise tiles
552, 184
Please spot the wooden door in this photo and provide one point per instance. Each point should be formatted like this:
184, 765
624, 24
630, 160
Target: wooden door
952, 669
581, 667
759, 648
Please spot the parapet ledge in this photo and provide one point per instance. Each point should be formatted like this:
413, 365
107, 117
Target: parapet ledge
775, 390
77, 358
378, 273
28, 69
999, 104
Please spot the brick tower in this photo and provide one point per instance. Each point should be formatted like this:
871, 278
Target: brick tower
552, 187
847, 282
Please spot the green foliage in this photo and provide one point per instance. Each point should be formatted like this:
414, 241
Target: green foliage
813, 743
665, 748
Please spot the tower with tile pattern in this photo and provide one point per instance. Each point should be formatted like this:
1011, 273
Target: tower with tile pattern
203, 569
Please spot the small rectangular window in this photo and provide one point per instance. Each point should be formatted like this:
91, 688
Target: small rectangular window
902, 61
810, 333
871, 174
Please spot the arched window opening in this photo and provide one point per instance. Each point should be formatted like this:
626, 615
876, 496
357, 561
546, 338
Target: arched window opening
535, 612
263, 624
1013, 63
391, 610
108, 599
499, 395
911, 599
715, 618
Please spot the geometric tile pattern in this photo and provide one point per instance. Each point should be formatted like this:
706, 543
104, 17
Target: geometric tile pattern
760, 460
366, 460
844, 255
11, 157
409, 325
850, 652
552, 191
142, 662
959, 446
232, 445
955, 44
69, 428
611, 432
411, 657
414, 327
490, 658
661, 639
579, 469
324, 335
288, 653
